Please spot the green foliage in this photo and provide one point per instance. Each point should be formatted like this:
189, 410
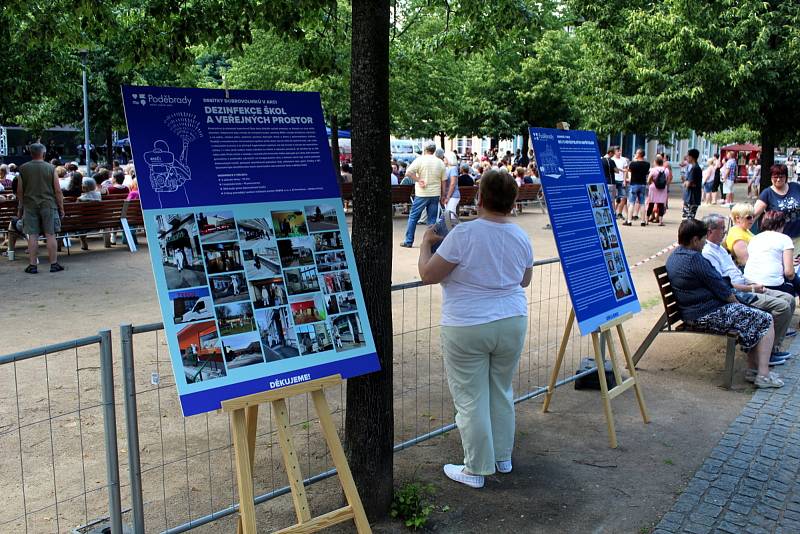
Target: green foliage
411, 504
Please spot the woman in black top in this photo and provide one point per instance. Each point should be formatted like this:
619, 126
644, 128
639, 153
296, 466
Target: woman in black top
639, 168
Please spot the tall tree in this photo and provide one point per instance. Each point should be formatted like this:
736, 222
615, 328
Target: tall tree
655, 66
369, 423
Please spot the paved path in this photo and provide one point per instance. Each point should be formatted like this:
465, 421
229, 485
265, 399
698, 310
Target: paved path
749, 483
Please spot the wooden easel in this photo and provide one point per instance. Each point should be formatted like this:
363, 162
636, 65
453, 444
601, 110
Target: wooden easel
244, 416
601, 337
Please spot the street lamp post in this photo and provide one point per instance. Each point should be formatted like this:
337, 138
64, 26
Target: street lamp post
83, 54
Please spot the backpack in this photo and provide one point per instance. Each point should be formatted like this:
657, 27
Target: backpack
661, 180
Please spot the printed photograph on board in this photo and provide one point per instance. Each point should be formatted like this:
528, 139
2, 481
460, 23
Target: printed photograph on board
201, 353
347, 332
277, 334
289, 224
261, 262
611, 265
226, 288
181, 255
242, 350
301, 280
190, 305
222, 257
622, 288
235, 318
268, 292
597, 195
325, 241
313, 338
217, 227
296, 251
255, 233
321, 217
331, 305
346, 302
307, 309
336, 282
331, 261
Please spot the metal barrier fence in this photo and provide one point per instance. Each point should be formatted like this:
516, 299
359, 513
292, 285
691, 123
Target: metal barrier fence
181, 469
58, 437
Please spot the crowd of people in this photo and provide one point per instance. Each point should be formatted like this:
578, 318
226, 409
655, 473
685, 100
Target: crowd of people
735, 279
41, 188
436, 176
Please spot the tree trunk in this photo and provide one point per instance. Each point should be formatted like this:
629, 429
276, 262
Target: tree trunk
441, 139
767, 156
369, 423
109, 146
337, 166
526, 133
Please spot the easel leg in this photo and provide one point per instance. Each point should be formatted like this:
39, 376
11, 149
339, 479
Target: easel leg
551, 386
290, 460
612, 354
340, 461
626, 351
251, 418
244, 473
601, 374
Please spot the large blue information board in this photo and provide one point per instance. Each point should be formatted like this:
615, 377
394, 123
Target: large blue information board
584, 226
253, 264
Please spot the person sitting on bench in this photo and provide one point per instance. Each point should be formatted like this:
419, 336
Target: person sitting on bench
708, 302
778, 303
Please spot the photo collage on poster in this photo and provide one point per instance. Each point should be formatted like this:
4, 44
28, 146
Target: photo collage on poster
249, 291
609, 240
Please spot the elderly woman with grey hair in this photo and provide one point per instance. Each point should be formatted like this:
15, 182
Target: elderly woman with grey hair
484, 267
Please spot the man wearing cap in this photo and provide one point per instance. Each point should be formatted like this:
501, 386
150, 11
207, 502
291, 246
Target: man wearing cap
428, 173
41, 206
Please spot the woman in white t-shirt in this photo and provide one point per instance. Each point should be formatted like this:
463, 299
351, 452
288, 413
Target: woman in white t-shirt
770, 256
483, 266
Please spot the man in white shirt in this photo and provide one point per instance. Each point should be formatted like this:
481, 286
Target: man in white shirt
620, 182
781, 305
428, 173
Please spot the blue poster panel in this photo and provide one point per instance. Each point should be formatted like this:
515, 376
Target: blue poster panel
584, 226
253, 264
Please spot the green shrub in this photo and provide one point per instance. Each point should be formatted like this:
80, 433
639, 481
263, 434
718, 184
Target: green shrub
411, 505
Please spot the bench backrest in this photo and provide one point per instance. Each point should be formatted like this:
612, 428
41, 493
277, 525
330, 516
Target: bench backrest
401, 194
529, 192
667, 296
468, 194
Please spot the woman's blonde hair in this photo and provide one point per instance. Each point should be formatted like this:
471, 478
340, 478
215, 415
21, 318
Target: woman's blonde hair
742, 209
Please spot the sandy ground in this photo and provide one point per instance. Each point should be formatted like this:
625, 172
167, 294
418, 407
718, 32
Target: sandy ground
565, 478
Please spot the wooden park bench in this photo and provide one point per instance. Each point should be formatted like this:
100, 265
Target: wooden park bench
671, 321
530, 195
402, 197
84, 218
468, 204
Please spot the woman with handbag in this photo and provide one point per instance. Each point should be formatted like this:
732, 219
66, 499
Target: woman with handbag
483, 266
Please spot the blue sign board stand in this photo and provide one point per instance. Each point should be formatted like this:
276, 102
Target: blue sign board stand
592, 258
248, 239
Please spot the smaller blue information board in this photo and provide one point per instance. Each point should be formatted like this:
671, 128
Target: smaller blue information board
584, 226
252, 259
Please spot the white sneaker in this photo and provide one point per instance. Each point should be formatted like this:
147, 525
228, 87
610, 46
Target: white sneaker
503, 466
456, 472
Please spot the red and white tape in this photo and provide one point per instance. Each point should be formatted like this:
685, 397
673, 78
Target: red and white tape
656, 255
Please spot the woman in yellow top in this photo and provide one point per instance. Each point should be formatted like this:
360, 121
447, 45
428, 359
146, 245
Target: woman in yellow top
739, 234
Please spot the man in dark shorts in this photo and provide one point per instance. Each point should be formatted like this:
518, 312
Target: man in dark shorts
639, 169
41, 206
